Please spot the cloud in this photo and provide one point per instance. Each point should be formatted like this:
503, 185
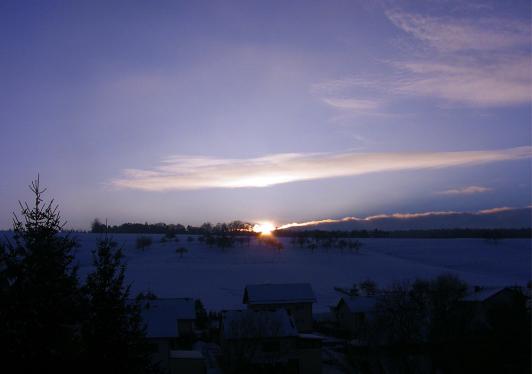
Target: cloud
502, 82
469, 190
472, 61
457, 35
399, 216
367, 219
357, 105
482, 61
189, 173
496, 210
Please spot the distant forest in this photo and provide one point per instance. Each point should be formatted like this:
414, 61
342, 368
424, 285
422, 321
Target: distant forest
493, 234
245, 228
234, 227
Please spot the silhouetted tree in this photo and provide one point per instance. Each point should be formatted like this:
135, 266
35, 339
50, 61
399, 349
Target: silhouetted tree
143, 242
48, 323
112, 331
421, 311
181, 251
40, 306
202, 319
98, 227
368, 287
354, 246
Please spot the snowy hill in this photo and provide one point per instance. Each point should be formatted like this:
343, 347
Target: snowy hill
218, 276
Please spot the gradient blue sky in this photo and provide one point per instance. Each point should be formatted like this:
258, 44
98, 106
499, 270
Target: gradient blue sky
264, 110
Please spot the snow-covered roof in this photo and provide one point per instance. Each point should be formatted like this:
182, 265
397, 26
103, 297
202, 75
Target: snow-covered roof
161, 316
246, 324
279, 293
482, 294
197, 355
359, 304
311, 336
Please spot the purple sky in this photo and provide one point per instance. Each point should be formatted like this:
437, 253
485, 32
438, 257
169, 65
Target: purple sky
264, 110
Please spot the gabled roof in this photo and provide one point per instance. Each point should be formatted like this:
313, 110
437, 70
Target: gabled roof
252, 324
196, 355
359, 304
161, 316
483, 294
279, 293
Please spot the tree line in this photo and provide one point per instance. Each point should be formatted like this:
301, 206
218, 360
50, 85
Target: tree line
245, 228
235, 227
489, 234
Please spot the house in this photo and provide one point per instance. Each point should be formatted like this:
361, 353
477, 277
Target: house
480, 302
256, 340
353, 313
295, 298
168, 321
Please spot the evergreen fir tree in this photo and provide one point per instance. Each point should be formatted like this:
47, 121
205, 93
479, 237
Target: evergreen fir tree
40, 296
113, 331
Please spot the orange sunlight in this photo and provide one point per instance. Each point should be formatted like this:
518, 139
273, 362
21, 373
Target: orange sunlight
264, 228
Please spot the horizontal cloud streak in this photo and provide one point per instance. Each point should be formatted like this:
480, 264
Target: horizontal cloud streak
187, 173
469, 190
398, 216
352, 104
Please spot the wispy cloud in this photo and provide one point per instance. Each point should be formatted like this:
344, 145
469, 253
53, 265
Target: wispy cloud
357, 105
496, 210
504, 81
399, 216
452, 35
469, 190
186, 173
478, 62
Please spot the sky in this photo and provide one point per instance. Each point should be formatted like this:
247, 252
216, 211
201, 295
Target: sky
286, 111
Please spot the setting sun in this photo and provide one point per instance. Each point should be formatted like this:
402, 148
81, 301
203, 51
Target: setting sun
264, 228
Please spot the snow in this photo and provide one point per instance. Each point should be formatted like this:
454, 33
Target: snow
218, 277
279, 293
162, 314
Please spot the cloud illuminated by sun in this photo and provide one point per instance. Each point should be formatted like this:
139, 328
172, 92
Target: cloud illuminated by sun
190, 173
264, 228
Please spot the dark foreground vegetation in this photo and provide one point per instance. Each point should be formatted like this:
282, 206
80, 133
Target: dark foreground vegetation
439, 325
51, 321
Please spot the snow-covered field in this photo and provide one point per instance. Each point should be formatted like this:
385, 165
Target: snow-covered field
218, 277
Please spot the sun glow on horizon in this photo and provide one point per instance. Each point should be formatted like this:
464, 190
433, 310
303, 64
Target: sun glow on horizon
264, 228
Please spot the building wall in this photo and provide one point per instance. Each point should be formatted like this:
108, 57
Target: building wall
256, 351
300, 312
185, 327
310, 361
187, 365
309, 352
160, 351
